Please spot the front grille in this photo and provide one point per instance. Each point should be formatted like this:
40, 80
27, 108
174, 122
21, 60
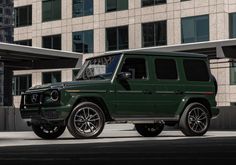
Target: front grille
33, 99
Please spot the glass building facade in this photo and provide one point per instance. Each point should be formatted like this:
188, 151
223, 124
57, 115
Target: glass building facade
6, 21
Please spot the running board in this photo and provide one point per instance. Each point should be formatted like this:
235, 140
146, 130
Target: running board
145, 120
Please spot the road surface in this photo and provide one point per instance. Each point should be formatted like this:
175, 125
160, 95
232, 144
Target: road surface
119, 144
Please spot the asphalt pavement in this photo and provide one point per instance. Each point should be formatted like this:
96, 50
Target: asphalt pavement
119, 144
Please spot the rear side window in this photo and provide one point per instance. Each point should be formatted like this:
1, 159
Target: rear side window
196, 70
136, 66
166, 69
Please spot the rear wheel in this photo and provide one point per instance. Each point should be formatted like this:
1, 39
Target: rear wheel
48, 131
149, 130
195, 120
86, 121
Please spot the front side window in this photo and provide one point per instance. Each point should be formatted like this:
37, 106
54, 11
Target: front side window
21, 84
154, 34
152, 2
117, 38
166, 69
196, 70
195, 29
232, 25
24, 42
23, 16
52, 42
135, 66
83, 41
82, 8
99, 68
51, 10
116, 5
51, 77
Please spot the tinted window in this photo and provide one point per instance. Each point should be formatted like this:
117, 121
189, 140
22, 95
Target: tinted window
195, 29
83, 41
51, 10
51, 77
52, 42
196, 70
232, 25
24, 42
117, 38
82, 8
21, 84
116, 5
136, 66
154, 34
152, 2
23, 16
166, 69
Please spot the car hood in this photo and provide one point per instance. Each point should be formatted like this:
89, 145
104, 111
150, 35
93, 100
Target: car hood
65, 84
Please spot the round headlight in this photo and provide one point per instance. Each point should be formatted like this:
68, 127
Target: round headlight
54, 95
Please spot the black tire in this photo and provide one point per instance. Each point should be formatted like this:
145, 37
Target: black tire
195, 120
149, 130
48, 131
85, 126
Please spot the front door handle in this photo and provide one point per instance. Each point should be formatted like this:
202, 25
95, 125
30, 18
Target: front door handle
179, 92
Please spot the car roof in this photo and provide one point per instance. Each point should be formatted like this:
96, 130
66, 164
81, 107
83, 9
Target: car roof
154, 53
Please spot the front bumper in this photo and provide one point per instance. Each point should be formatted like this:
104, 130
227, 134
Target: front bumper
44, 112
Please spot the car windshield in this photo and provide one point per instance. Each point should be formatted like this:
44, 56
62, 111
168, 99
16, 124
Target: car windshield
99, 68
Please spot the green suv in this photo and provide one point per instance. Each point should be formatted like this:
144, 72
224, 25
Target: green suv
149, 89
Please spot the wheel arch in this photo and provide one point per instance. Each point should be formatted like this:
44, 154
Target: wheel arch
96, 100
190, 100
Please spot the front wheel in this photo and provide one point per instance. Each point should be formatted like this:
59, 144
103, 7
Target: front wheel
48, 131
86, 121
195, 120
149, 130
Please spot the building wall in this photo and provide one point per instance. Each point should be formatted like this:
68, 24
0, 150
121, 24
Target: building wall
172, 11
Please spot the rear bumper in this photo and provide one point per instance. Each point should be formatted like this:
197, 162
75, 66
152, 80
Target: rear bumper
214, 112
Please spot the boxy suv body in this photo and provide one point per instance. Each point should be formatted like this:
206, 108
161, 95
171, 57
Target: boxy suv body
149, 89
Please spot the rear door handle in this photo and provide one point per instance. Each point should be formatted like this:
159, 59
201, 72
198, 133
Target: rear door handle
147, 92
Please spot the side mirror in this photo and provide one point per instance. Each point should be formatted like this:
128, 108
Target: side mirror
124, 76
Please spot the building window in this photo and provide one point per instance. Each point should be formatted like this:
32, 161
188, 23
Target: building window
232, 25
233, 73
75, 73
51, 77
196, 70
83, 41
51, 10
116, 5
117, 38
23, 16
166, 69
52, 42
152, 2
154, 34
195, 29
24, 42
82, 8
21, 84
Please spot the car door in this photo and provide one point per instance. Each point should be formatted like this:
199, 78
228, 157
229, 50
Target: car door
167, 85
132, 94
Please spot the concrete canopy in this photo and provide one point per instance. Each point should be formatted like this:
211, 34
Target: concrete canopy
26, 57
